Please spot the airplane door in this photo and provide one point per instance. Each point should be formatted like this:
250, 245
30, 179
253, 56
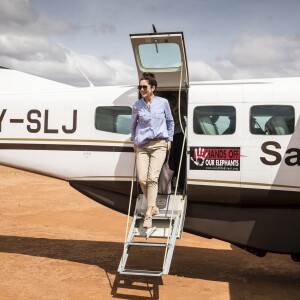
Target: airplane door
162, 54
214, 144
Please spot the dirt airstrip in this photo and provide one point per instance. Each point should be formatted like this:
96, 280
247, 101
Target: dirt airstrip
57, 244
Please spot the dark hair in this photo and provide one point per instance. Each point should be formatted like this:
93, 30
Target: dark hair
150, 77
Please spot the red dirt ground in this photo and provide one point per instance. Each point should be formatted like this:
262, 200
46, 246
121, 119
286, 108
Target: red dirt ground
57, 244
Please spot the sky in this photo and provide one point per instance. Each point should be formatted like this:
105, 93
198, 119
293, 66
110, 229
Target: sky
224, 39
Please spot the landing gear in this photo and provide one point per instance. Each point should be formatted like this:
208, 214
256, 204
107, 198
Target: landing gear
257, 252
295, 257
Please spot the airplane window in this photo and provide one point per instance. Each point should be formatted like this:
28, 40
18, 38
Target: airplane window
114, 119
160, 55
214, 120
272, 119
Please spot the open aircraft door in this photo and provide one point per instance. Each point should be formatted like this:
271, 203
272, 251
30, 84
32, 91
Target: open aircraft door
164, 55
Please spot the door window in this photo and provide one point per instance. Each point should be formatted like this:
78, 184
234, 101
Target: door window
160, 56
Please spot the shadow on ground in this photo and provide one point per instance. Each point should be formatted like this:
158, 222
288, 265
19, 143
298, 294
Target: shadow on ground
247, 276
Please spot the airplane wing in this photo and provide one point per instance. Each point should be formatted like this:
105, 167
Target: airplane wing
13, 81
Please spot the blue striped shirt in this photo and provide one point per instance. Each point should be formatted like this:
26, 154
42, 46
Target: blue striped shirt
155, 121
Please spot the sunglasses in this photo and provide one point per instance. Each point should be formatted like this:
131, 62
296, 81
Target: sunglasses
143, 87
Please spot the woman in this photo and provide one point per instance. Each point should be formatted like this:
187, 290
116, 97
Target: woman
152, 129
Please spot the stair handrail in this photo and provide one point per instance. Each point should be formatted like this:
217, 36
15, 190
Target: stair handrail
179, 169
130, 197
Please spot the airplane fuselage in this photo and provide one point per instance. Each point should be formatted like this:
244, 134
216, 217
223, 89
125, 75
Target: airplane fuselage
245, 191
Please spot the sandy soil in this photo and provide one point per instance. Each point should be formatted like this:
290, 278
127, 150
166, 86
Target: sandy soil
57, 244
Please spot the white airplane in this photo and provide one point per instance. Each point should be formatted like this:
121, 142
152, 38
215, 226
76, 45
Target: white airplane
243, 144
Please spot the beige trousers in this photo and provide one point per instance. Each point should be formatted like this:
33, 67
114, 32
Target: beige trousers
149, 161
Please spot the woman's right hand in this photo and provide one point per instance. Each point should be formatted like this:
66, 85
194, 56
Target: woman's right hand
134, 147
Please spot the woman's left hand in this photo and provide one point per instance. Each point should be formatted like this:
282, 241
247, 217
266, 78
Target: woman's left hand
168, 145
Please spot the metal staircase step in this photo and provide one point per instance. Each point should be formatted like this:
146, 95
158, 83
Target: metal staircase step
159, 217
141, 272
147, 244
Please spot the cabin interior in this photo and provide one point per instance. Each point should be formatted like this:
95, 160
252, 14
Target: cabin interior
177, 161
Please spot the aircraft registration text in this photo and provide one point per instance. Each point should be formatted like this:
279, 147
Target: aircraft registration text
37, 121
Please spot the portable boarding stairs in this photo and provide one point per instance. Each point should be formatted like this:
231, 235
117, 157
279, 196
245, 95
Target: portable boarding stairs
166, 226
